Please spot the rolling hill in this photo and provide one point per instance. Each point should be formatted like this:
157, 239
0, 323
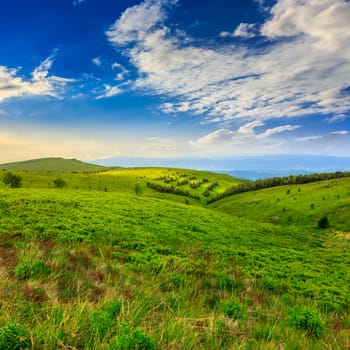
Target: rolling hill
53, 165
108, 262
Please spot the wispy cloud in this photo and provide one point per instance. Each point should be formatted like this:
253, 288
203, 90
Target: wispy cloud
78, 2
110, 91
41, 83
97, 61
333, 135
303, 75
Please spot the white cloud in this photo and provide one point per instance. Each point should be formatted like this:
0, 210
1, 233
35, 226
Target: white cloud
245, 30
326, 22
41, 83
110, 91
97, 61
328, 137
122, 71
244, 135
300, 76
136, 21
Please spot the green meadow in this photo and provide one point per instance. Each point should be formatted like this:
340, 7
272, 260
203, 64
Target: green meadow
108, 262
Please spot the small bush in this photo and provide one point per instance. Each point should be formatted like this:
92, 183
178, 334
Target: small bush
103, 320
232, 309
138, 189
306, 319
13, 337
323, 222
136, 339
59, 182
26, 270
12, 180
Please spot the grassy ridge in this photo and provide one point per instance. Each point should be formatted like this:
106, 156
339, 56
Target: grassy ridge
54, 165
299, 205
91, 270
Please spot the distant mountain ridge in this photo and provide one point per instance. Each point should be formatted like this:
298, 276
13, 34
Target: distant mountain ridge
54, 164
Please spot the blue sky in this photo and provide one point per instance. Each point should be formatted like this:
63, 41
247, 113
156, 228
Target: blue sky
94, 79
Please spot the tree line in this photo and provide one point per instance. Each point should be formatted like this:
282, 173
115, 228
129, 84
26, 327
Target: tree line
170, 189
278, 181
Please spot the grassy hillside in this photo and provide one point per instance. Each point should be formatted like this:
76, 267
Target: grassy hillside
299, 205
124, 180
93, 269
54, 165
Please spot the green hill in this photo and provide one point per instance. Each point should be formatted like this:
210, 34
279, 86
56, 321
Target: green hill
299, 205
109, 263
195, 186
54, 165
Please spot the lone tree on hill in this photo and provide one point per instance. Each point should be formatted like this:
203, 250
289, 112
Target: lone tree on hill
12, 180
323, 222
59, 183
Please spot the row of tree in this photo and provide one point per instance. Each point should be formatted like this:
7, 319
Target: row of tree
170, 189
278, 181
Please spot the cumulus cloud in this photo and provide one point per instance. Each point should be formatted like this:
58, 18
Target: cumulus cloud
245, 134
41, 83
325, 22
303, 75
245, 30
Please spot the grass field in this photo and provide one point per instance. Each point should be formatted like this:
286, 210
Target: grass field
101, 265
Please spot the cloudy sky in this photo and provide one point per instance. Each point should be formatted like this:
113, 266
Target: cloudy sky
170, 78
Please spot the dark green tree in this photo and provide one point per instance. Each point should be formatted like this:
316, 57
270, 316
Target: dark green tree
323, 222
59, 182
12, 180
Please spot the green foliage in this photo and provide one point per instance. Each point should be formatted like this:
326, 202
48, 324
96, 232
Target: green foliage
138, 189
264, 332
103, 320
232, 309
12, 180
26, 270
306, 319
133, 340
323, 222
14, 337
163, 268
59, 182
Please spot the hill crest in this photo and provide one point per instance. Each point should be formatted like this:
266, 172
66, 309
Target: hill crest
54, 164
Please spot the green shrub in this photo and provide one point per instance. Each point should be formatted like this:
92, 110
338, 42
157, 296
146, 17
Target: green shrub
26, 270
12, 180
13, 337
59, 182
232, 309
103, 320
323, 222
135, 340
306, 319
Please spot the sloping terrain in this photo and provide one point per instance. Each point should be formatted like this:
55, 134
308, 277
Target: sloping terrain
299, 205
128, 268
